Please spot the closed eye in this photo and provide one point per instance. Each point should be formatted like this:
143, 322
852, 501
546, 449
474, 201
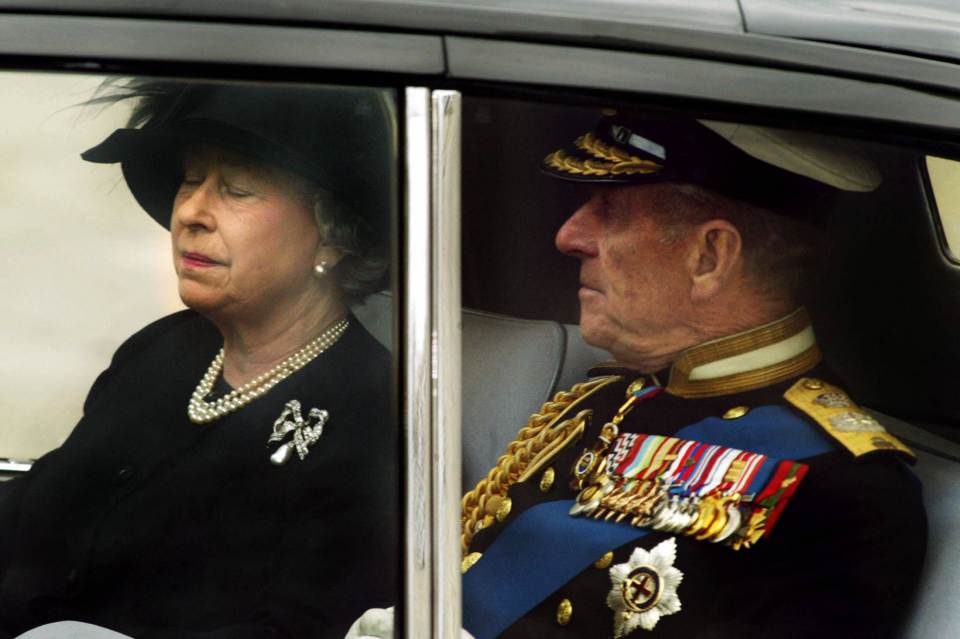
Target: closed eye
235, 191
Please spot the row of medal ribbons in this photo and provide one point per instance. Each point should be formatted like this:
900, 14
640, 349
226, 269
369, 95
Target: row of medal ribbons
708, 492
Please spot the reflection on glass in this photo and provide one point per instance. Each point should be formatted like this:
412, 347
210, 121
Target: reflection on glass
232, 472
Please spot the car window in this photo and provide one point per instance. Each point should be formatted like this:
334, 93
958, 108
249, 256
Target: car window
945, 183
873, 278
154, 229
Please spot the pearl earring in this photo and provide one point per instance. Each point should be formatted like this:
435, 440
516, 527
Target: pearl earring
320, 269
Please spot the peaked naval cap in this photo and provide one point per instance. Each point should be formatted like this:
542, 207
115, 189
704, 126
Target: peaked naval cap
772, 168
340, 138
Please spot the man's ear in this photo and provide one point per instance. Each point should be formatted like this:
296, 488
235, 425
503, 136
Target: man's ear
714, 258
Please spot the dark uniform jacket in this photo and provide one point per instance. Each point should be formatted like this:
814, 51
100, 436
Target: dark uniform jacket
841, 561
154, 526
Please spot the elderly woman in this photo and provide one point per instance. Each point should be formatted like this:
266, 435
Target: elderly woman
234, 473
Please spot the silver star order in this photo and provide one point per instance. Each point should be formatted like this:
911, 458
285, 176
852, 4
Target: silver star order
644, 588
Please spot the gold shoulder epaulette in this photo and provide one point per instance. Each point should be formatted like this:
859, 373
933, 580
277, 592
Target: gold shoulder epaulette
842, 419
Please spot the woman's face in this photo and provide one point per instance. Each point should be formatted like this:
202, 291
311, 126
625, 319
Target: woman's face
244, 237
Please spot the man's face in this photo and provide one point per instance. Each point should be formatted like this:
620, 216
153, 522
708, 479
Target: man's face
634, 292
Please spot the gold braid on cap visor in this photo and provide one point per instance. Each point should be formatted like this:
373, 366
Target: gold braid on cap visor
609, 160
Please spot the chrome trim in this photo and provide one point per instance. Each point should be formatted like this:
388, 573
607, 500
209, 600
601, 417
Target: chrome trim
185, 41
447, 363
417, 402
544, 64
15, 466
491, 16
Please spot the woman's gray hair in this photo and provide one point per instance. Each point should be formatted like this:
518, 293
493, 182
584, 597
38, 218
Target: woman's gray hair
363, 268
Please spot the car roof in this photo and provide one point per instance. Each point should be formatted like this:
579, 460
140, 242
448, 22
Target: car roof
920, 27
558, 17
926, 28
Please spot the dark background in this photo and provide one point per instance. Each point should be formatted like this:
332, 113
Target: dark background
511, 211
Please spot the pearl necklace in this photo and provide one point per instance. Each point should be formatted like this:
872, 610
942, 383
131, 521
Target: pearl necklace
203, 412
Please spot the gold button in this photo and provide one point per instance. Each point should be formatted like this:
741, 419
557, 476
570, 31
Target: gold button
547, 479
735, 412
564, 612
605, 561
468, 562
503, 511
812, 384
494, 504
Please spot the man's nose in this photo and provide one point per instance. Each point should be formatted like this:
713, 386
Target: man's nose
577, 236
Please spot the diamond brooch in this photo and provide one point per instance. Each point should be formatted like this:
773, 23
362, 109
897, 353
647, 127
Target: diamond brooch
306, 432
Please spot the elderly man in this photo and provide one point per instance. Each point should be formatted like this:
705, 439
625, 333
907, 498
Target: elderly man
714, 481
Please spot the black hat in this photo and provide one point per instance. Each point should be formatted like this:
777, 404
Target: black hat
773, 168
340, 138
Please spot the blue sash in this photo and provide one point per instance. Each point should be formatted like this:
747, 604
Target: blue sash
544, 547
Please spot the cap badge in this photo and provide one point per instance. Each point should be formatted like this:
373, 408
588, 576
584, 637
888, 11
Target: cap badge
305, 434
623, 135
644, 588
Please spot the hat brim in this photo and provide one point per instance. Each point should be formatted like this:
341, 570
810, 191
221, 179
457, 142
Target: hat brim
638, 150
151, 159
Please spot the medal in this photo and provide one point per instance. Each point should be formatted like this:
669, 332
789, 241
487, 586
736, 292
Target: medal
704, 491
590, 468
734, 519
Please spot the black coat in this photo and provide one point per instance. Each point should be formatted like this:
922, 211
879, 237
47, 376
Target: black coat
842, 561
154, 526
